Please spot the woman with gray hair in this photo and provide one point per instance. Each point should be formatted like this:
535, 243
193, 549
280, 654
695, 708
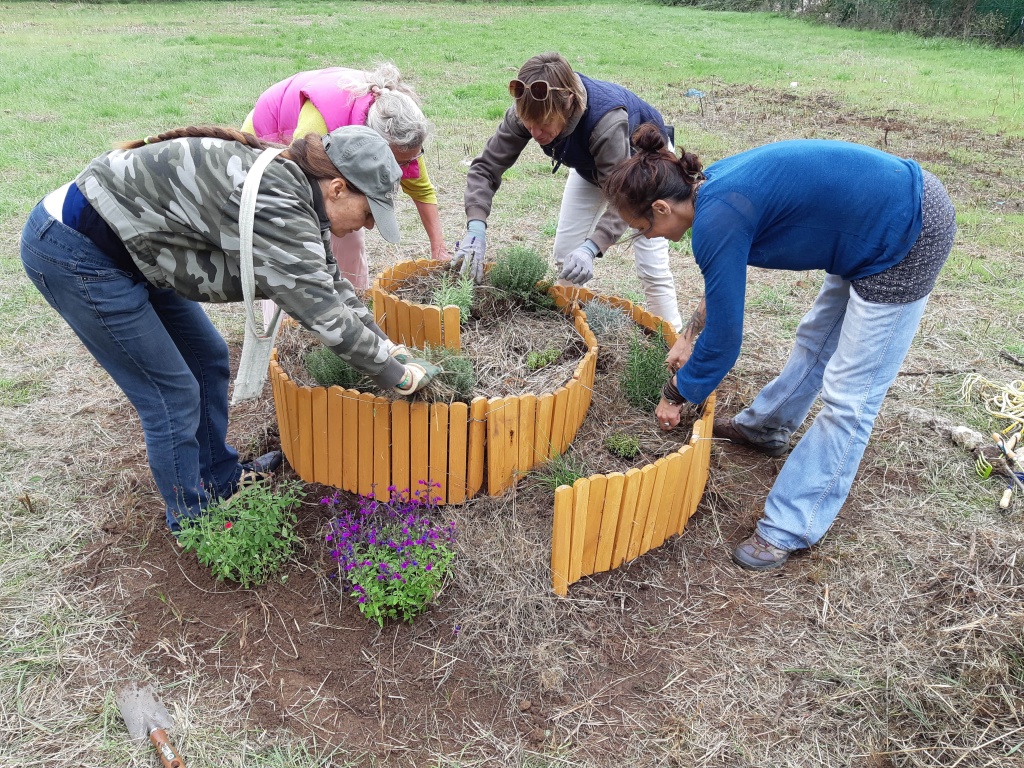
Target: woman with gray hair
323, 100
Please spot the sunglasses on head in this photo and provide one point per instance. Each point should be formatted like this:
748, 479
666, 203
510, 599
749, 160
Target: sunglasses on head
539, 89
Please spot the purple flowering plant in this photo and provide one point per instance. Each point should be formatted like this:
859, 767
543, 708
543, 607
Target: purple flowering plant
391, 558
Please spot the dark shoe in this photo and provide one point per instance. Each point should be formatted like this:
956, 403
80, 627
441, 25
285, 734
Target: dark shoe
259, 468
725, 428
756, 554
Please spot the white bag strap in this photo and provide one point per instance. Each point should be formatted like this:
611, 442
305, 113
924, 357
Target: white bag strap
246, 218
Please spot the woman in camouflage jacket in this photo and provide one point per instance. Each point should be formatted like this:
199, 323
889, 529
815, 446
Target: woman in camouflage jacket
125, 252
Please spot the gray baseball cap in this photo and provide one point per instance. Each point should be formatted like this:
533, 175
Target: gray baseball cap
364, 158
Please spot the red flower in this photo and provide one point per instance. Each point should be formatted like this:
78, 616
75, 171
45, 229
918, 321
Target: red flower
227, 525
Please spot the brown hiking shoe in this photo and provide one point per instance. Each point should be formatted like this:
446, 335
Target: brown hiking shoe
756, 554
725, 428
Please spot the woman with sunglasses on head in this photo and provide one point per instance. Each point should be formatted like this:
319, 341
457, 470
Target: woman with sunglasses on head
322, 100
127, 251
879, 226
583, 124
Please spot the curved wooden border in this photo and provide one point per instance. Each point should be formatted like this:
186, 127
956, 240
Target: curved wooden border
362, 443
603, 521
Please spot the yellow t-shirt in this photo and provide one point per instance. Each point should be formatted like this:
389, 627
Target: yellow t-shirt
311, 121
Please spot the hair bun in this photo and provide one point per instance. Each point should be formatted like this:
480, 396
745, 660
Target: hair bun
648, 138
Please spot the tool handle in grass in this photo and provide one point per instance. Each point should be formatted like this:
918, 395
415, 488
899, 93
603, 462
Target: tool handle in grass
165, 750
1004, 502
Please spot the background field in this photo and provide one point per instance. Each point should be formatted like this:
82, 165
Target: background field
897, 641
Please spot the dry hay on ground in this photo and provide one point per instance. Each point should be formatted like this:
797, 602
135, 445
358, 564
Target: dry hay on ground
498, 339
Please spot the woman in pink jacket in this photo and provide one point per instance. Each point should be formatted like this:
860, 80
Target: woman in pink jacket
322, 100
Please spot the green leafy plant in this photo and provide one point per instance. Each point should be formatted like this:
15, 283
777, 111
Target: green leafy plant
645, 371
562, 469
457, 377
604, 319
457, 291
248, 537
390, 556
329, 370
622, 445
536, 360
520, 272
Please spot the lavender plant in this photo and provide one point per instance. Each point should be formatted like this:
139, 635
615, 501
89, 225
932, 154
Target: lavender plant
390, 557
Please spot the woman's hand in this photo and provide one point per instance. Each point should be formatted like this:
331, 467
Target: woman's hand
439, 251
668, 415
680, 353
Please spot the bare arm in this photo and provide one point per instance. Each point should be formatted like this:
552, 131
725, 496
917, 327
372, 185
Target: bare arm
681, 350
432, 225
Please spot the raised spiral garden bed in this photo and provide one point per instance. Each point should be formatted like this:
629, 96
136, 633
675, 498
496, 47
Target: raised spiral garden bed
364, 443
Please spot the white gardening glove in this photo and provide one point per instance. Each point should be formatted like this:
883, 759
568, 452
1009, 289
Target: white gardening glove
469, 251
578, 266
418, 373
400, 352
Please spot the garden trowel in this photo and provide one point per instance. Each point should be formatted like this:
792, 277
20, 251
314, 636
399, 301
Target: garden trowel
147, 717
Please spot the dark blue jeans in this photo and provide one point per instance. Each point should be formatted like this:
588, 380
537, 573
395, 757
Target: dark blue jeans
160, 349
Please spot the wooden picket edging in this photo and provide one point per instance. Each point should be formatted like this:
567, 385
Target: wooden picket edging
414, 325
362, 443
603, 521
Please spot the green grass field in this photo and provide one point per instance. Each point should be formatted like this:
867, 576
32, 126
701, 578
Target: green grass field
897, 642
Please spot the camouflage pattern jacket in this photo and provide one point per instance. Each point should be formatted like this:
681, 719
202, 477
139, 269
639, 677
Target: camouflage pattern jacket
175, 206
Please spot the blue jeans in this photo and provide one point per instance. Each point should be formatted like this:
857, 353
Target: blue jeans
849, 351
160, 349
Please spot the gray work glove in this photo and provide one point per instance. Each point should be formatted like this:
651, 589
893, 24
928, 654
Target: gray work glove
578, 266
469, 251
418, 373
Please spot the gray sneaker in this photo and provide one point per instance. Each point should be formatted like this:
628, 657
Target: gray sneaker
756, 554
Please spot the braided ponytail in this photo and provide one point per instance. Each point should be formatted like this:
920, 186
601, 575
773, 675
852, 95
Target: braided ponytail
652, 173
200, 132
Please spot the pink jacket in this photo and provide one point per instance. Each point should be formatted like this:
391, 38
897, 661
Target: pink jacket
277, 111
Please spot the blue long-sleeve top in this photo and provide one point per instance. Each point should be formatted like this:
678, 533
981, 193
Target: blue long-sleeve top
850, 210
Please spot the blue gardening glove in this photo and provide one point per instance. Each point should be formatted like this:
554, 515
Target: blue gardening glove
418, 373
578, 266
469, 252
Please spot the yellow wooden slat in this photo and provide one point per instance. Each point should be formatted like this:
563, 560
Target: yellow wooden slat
439, 452
391, 327
451, 330
458, 434
676, 514
609, 521
321, 452
643, 508
381, 448
350, 441
405, 334
416, 325
379, 311
477, 446
595, 513
674, 481
572, 413
280, 407
400, 445
432, 326
510, 434
542, 430
561, 540
366, 408
527, 425
558, 441
304, 418
419, 447
657, 499
580, 505
627, 516
335, 430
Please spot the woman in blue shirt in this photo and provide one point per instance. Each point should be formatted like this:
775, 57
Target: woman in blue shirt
878, 225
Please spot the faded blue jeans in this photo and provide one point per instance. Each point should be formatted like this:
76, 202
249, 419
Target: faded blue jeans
160, 349
848, 350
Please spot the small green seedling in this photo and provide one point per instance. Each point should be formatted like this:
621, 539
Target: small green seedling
645, 371
455, 291
537, 360
622, 445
